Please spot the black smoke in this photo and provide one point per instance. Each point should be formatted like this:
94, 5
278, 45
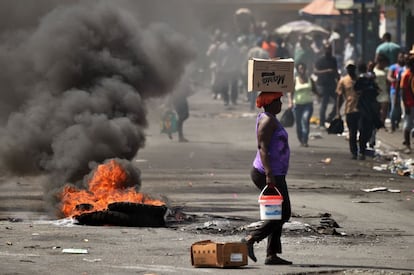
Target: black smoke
74, 88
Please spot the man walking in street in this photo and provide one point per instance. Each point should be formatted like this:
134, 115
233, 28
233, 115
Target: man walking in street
394, 78
368, 106
228, 56
326, 69
347, 94
256, 52
407, 90
388, 48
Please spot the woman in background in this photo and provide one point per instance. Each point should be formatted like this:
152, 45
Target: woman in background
302, 102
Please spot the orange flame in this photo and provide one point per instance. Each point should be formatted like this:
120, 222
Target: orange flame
105, 187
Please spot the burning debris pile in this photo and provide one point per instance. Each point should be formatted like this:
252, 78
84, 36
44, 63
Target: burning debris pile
126, 214
111, 199
73, 96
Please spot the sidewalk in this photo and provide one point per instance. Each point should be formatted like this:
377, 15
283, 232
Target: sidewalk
392, 141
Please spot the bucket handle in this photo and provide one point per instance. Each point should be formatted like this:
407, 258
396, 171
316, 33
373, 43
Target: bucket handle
267, 186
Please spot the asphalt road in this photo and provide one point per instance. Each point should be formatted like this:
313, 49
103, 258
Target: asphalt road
207, 181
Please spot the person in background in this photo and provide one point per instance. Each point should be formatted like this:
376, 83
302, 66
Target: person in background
178, 100
270, 167
388, 48
243, 45
336, 41
380, 70
317, 46
282, 49
256, 52
212, 56
228, 56
304, 53
302, 102
346, 93
350, 50
370, 68
394, 77
407, 92
367, 90
326, 69
269, 44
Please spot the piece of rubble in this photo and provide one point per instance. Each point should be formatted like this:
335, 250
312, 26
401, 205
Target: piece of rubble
297, 226
329, 222
255, 225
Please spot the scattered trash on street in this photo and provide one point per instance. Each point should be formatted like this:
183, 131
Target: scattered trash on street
402, 167
313, 136
382, 167
365, 201
326, 161
92, 260
74, 251
377, 189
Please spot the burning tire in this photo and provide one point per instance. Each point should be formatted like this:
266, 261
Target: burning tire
126, 214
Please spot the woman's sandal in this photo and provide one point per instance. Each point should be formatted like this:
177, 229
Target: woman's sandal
275, 260
249, 242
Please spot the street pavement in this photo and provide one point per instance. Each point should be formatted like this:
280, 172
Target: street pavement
206, 182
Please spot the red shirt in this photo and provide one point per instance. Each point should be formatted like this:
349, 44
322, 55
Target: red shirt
407, 86
270, 47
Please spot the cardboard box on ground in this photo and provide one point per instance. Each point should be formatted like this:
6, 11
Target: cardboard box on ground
270, 75
212, 254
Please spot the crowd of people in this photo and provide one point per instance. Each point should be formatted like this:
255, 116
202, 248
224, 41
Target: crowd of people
228, 55
329, 74
376, 92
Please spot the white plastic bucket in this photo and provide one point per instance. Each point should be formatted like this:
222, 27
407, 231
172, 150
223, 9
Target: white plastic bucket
270, 206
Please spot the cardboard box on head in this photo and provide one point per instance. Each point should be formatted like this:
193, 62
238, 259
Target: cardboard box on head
270, 75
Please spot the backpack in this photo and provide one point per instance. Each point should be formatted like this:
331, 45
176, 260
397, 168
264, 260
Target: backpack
367, 101
336, 126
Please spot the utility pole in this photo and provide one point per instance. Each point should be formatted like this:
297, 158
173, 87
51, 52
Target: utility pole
364, 23
364, 30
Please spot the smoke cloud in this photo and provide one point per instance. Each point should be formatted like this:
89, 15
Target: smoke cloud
74, 88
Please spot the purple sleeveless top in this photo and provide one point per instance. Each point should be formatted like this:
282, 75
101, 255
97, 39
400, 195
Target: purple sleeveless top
279, 152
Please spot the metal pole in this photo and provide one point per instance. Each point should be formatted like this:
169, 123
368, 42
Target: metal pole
363, 31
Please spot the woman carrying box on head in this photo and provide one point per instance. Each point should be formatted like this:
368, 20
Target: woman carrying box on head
270, 167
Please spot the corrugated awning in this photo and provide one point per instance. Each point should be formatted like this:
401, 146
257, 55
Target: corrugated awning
320, 8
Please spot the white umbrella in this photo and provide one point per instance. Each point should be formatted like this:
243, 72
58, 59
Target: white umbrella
243, 11
300, 27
